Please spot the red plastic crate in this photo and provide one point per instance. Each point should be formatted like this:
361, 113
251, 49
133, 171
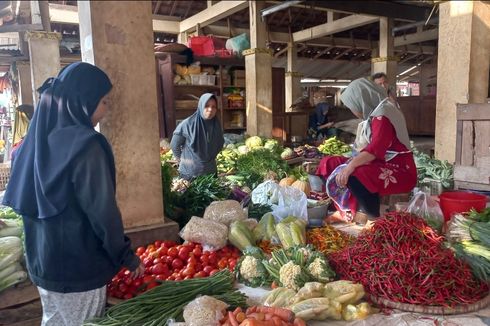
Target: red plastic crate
206, 45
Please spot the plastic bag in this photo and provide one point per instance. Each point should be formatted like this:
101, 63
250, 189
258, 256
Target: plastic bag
204, 310
309, 291
266, 193
427, 208
291, 202
279, 297
206, 232
317, 309
225, 212
343, 291
238, 43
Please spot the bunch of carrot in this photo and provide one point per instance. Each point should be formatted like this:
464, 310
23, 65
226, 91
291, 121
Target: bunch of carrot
262, 316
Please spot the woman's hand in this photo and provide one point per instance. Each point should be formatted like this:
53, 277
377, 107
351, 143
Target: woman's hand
138, 272
343, 176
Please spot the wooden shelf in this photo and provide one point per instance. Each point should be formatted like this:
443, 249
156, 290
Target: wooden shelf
236, 128
234, 109
213, 87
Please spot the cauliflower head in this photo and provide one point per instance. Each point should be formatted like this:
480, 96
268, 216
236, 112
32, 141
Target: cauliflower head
288, 275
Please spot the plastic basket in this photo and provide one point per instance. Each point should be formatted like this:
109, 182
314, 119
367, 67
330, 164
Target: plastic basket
205, 45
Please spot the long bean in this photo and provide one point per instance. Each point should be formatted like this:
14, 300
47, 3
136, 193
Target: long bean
168, 300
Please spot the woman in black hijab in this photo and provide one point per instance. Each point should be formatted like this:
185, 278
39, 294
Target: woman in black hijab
63, 185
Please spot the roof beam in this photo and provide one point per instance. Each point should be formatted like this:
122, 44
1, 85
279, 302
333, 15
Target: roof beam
378, 8
69, 15
212, 14
336, 26
429, 35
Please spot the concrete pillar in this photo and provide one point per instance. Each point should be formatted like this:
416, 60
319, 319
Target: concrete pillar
258, 70
118, 38
293, 77
44, 53
462, 67
385, 61
25, 83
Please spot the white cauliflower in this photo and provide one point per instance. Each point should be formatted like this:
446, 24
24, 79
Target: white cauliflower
288, 274
249, 268
316, 268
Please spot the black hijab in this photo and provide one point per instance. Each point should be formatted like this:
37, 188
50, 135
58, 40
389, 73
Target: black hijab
60, 130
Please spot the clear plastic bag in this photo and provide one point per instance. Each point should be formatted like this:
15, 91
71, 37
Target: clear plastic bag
238, 43
225, 212
204, 310
211, 234
427, 208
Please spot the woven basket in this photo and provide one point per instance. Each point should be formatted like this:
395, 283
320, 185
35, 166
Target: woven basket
4, 175
432, 310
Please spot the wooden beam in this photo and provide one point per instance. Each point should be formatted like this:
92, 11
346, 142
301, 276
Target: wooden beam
431, 34
341, 54
21, 28
172, 9
322, 52
278, 37
378, 8
336, 26
157, 7
69, 15
212, 14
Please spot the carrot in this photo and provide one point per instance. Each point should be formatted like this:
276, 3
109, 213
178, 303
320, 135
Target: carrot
299, 322
240, 316
268, 316
276, 321
284, 314
251, 309
274, 285
254, 322
237, 310
232, 319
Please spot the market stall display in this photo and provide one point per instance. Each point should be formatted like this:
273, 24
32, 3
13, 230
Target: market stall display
401, 259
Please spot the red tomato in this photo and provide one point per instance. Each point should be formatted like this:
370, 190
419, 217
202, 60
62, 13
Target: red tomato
158, 243
161, 277
127, 296
173, 252
150, 248
213, 258
232, 263
199, 267
184, 253
140, 251
191, 261
189, 271
177, 263
197, 251
128, 281
178, 278
163, 250
148, 279
159, 269
157, 261
205, 259
188, 277
169, 244
148, 261
214, 271
208, 269
123, 288
200, 274
152, 285
137, 282
223, 262
171, 278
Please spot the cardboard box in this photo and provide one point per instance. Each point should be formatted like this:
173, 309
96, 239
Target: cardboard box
239, 82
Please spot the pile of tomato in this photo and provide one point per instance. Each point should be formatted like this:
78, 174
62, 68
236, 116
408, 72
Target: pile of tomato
168, 261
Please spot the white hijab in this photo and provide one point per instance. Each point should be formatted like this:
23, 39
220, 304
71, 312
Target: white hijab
364, 96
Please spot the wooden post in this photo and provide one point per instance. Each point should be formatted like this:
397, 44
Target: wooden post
385, 61
132, 124
462, 67
44, 53
258, 66
293, 77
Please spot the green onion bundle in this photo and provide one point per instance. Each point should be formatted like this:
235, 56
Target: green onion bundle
465, 229
167, 301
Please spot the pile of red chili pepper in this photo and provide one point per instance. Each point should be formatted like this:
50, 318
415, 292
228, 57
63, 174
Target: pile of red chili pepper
402, 259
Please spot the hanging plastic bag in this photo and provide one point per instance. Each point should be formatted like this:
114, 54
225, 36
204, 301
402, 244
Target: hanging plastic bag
427, 208
238, 43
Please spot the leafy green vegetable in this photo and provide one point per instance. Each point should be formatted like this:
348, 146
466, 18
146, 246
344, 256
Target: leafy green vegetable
256, 211
333, 146
431, 168
254, 166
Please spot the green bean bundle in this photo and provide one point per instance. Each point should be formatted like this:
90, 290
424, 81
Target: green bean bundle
167, 301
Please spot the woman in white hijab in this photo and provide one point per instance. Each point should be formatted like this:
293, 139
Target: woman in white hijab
383, 163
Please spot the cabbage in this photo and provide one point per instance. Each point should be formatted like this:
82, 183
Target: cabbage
242, 149
286, 153
253, 142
